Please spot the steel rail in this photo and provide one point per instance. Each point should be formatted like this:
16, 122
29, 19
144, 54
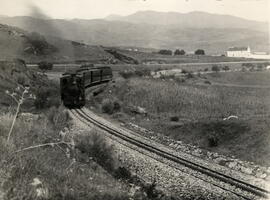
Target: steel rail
142, 151
204, 170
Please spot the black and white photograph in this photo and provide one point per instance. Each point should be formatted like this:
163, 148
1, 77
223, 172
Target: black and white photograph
134, 99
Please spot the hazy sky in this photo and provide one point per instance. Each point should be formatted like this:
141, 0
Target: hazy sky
88, 9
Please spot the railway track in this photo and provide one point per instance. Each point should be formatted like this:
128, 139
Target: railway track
240, 188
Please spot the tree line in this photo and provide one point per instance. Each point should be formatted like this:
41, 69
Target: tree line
179, 52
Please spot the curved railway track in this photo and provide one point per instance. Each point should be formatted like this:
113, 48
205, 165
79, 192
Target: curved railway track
248, 191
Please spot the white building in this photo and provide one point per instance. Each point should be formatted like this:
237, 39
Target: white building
260, 55
239, 52
245, 52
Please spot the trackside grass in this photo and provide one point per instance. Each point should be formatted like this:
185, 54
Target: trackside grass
192, 102
194, 111
51, 171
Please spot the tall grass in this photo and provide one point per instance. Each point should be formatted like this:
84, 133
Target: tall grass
193, 101
60, 176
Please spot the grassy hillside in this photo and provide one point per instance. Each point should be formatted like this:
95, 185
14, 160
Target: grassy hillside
14, 74
34, 47
15, 42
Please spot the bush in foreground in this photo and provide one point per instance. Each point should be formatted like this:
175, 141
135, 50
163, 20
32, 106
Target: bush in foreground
28, 174
58, 117
46, 97
95, 146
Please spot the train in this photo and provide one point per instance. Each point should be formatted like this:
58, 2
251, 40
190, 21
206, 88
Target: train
74, 84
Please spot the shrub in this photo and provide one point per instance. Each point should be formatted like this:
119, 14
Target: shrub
53, 101
116, 106
180, 79
107, 106
110, 106
44, 66
127, 74
41, 98
179, 52
213, 140
184, 71
215, 68
122, 173
249, 65
165, 52
174, 118
95, 146
226, 68
20, 61
244, 69
199, 52
59, 117
138, 73
220, 131
207, 82
260, 67
206, 69
190, 75
21, 80
47, 96
151, 190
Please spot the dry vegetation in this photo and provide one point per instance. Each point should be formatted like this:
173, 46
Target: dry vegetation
56, 170
14, 75
58, 166
40, 158
193, 102
193, 111
260, 78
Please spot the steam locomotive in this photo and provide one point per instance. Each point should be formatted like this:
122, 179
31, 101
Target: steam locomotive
73, 84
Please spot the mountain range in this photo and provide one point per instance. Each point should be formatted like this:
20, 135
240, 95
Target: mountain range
212, 32
194, 19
